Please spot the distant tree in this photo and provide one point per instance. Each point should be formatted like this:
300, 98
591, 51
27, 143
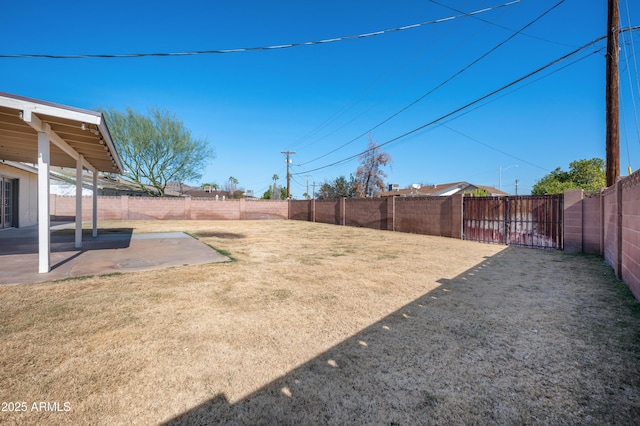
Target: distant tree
339, 188
231, 187
589, 175
279, 191
157, 149
326, 191
210, 186
275, 195
479, 192
370, 176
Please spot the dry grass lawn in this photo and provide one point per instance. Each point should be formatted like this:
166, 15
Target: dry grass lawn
324, 324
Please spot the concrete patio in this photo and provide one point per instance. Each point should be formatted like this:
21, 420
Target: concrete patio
113, 250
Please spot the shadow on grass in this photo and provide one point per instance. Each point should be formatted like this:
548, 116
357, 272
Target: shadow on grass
505, 342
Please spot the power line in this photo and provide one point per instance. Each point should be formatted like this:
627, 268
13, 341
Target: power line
493, 148
468, 111
474, 102
382, 79
448, 80
502, 26
273, 47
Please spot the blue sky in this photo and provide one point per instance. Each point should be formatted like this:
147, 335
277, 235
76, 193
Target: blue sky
313, 99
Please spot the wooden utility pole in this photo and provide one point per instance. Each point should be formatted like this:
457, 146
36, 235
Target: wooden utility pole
288, 154
612, 102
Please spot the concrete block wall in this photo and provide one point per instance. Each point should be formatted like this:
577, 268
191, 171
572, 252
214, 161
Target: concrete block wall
630, 232
211, 209
184, 208
301, 210
429, 215
608, 224
592, 225
367, 213
457, 214
263, 209
109, 208
327, 211
156, 208
573, 221
610, 227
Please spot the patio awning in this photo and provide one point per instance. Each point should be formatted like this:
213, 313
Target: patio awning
49, 134
73, 132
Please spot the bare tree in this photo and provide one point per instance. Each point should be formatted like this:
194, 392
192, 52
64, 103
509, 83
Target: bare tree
370, 176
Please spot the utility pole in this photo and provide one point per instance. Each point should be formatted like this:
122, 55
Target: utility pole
308, 187
288, 154
313, 194
516, 187
612, 102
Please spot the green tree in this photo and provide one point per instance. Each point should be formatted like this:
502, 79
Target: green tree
370, 176
157, 148
479, 192
588, 175
210, 186
279, 191
339, 188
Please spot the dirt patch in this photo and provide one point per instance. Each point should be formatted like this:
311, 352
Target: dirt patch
224, 235
326, 324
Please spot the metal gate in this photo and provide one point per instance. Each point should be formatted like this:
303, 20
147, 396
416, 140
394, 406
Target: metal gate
528, 221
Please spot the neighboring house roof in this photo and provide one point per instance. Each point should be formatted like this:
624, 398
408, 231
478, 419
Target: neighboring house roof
201, 193
63, 182
440, 190
58, 183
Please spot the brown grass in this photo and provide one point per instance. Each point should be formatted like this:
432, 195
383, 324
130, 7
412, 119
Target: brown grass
325, 324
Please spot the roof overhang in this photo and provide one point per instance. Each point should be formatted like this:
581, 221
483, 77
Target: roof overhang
74, 133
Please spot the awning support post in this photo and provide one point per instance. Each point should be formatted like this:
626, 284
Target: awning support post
94, 232
44, 238
79, 166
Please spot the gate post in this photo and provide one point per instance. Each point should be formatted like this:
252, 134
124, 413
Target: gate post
457, 216
507, 224
573, 220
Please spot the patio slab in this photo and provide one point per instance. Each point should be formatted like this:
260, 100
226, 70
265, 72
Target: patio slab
111, 251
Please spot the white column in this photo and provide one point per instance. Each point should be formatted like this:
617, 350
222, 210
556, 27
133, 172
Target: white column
79, 201
44, 239
94, 232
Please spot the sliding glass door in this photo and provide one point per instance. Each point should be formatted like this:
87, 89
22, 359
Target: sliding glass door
7, 202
